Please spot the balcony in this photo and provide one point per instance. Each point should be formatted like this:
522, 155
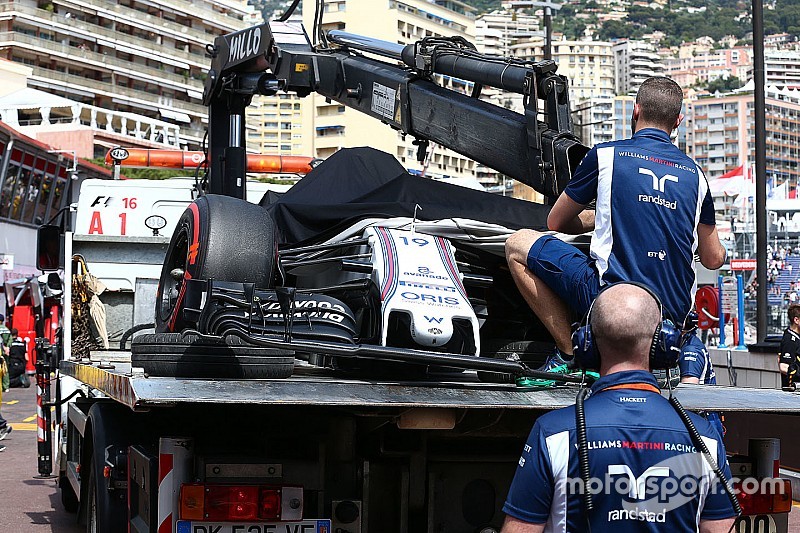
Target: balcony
91, 32
134, 98
101, 61
145, 21
194, 9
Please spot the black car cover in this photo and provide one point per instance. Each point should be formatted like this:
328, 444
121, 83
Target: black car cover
358, 183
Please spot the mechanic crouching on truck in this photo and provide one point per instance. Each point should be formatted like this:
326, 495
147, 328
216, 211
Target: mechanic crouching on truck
653, 212
644, 471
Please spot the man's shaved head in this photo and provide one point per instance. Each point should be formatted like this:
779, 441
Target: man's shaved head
624, 319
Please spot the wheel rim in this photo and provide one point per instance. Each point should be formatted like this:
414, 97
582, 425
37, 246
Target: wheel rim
169, 288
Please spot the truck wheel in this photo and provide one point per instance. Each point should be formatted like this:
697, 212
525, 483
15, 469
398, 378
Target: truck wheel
189, 356
68, 498
220, 238
92, 519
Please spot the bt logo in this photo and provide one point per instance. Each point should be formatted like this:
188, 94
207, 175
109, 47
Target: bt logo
658, 183
661, 254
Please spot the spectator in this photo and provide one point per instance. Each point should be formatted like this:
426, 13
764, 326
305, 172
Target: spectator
17, 361
5, 342
625, 406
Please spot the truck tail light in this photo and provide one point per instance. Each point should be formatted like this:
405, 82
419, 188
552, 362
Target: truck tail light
774, 495
269, 504
215, 502
231, 502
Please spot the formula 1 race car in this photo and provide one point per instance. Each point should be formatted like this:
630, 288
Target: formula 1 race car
360, 266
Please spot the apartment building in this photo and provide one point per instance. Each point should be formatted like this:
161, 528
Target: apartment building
132, 56
588, 65
709, 65
332, 126
635, 61
604, 119
495, 32
782, 67
722, 134
275, 125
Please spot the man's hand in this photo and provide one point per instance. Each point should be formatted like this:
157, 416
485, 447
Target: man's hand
568, 216
711, 252
515, 525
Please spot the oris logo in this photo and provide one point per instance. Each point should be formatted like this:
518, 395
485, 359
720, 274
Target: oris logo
244, 45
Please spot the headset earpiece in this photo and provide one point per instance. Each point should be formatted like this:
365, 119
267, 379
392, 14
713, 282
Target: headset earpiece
665, 349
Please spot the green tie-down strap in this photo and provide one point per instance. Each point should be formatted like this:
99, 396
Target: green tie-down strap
560, 369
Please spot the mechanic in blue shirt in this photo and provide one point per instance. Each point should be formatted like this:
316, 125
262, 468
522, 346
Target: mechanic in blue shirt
644, 471
695, 365
653, 212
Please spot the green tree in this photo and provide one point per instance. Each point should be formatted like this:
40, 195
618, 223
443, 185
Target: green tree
724, 85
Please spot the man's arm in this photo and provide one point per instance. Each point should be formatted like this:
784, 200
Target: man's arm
568, 216
515, 525
710, 250
716, 526
690, 379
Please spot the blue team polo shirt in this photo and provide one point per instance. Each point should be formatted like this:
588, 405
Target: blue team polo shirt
650, 198
651, 477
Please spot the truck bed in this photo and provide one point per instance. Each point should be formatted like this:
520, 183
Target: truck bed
111, 373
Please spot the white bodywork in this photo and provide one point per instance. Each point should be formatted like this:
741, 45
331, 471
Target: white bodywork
416, 274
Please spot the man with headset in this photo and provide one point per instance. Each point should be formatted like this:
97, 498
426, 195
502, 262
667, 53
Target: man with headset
653, 212
696, 366
644, 470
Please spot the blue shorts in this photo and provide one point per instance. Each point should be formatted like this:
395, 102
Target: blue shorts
566, 270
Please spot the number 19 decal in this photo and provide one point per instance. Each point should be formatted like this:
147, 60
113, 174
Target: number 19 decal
419, 241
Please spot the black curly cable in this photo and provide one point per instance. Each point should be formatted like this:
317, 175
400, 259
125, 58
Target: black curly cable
700, 445
583, 453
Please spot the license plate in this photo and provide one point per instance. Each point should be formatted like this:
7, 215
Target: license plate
303, 526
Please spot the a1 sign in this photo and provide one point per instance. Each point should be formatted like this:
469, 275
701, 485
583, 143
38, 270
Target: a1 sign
743, 264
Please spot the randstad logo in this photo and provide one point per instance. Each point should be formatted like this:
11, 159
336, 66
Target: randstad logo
658, 200
658, 183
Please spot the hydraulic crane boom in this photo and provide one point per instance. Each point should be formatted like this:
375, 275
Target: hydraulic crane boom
537, 148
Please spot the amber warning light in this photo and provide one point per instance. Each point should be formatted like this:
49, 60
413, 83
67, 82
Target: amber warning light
177, 159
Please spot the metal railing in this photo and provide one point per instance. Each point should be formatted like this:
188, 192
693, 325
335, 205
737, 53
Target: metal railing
127, 68
116, 91
196, 9
92, 31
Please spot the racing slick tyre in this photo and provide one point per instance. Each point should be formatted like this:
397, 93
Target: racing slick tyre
189, 356
533, 353
220, 238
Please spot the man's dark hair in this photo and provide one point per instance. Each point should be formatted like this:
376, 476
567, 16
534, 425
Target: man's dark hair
15, 331
794, 312
660, 101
